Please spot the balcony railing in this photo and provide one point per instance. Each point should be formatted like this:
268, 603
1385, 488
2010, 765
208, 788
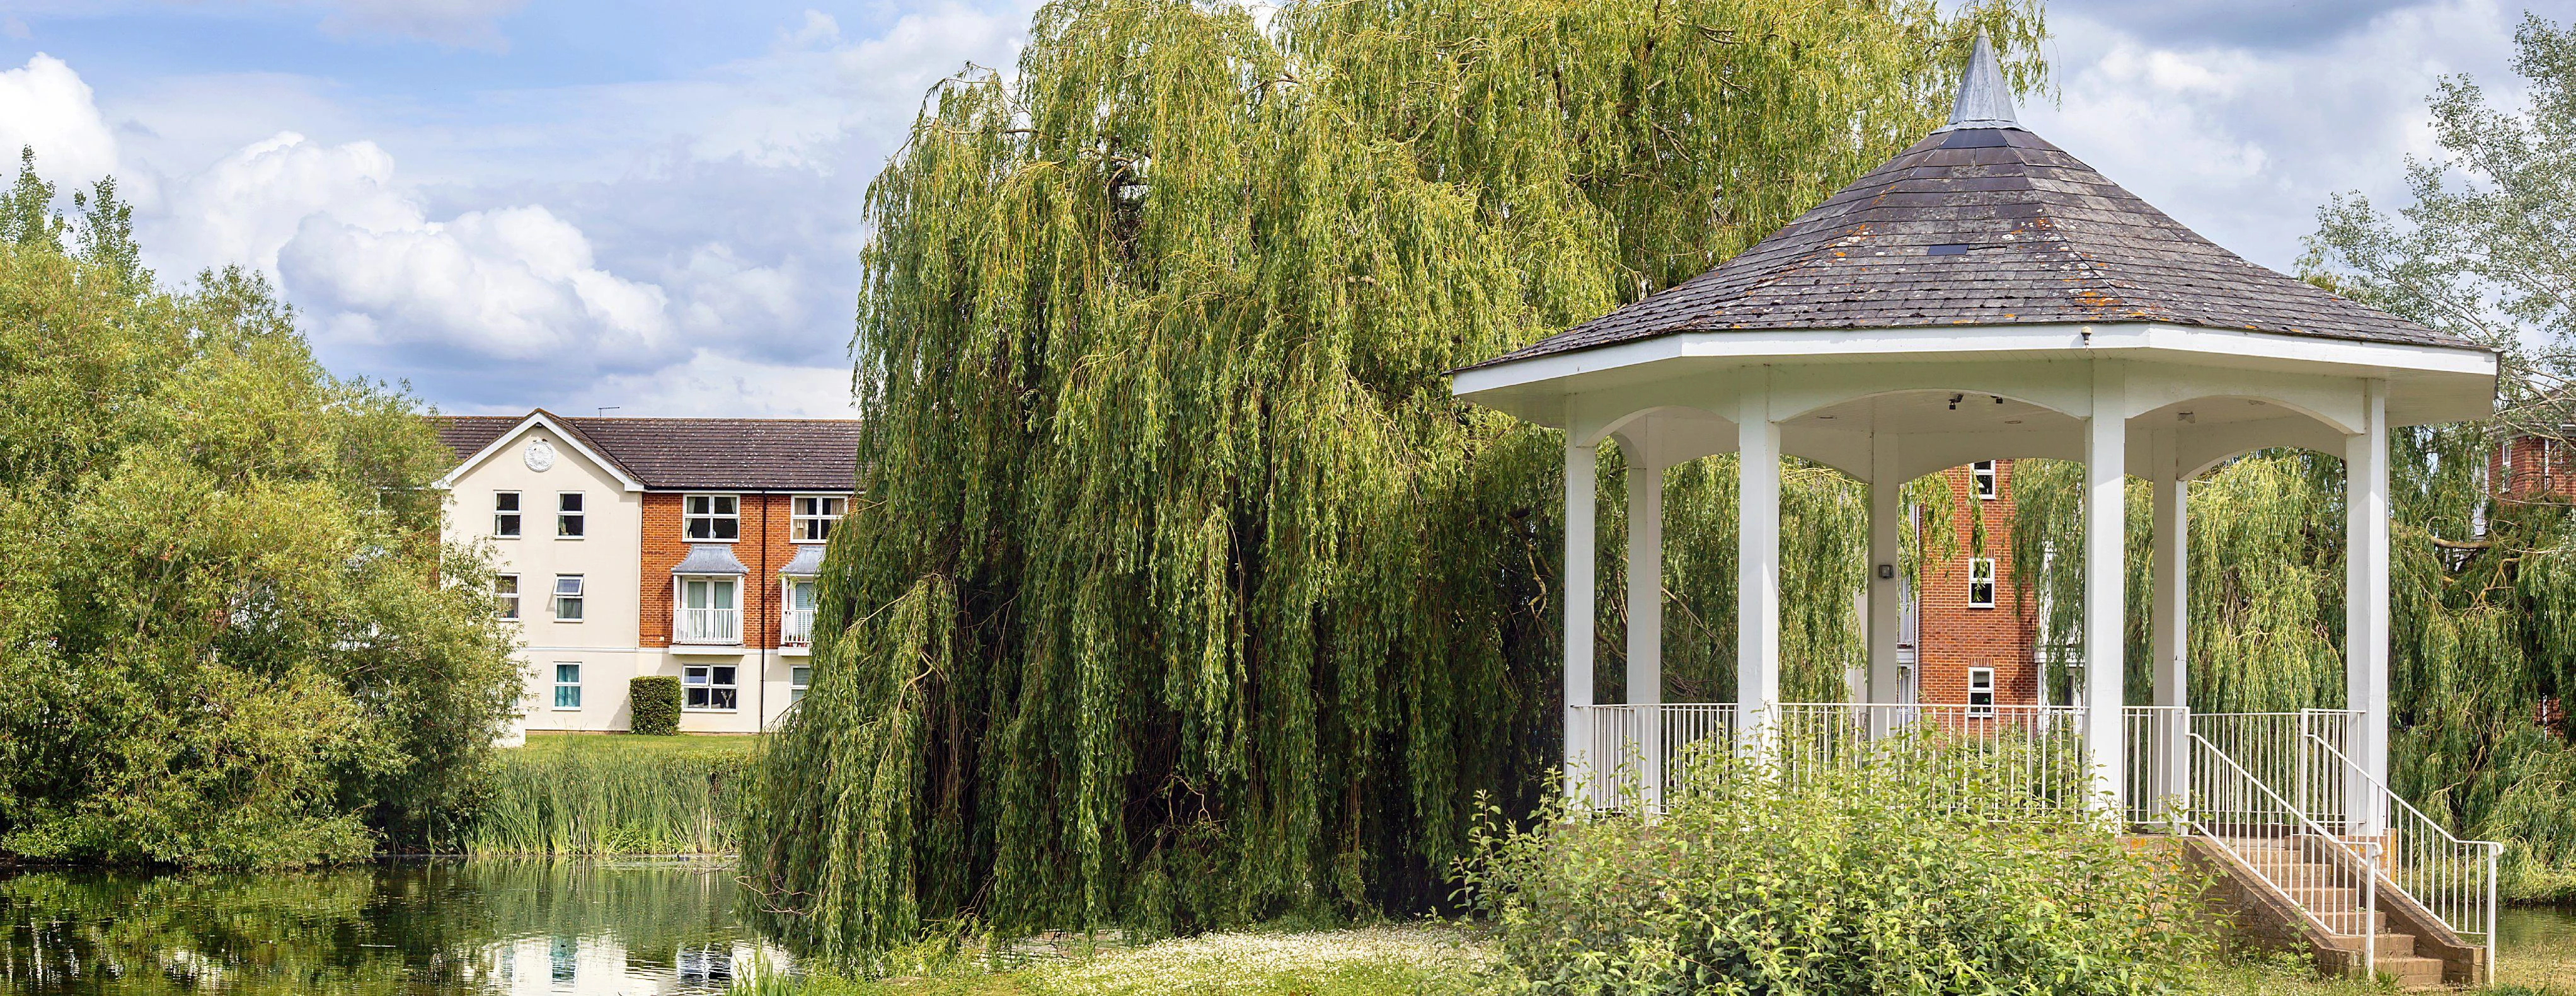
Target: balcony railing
796, 627
717, 626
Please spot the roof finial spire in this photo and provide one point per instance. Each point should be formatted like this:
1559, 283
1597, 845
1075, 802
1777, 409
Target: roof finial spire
1984, 101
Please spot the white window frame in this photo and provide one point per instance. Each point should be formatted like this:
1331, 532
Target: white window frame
507, 523
787, 606
572, 523
801, 525
799, 678
1976, 676
560, 684
690, 517
1984, 481
709, 685
505, 593
559, 594
1981, 566
680, 602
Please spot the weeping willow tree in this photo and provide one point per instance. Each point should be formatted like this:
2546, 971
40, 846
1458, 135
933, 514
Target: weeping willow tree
1181, 593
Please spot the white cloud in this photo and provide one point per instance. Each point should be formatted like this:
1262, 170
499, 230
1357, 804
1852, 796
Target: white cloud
2244, 143
48, 107
715, 384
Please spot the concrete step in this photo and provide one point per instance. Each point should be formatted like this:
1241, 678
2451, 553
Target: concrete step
2412, 971
2390, 945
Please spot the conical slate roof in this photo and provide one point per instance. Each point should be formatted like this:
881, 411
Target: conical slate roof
1984, 223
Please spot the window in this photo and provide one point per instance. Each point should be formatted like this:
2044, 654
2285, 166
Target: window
811, 517
708, 611
567, 686
798, 620
1982, 473
568, 598
707, 688
568, 515
505, 595
799, 678
1981, 691
710, 517
1981, 582
505, 514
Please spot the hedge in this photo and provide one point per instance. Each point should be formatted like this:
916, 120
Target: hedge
655, 700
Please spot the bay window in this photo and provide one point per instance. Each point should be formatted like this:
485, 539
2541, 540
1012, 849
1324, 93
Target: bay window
710, 611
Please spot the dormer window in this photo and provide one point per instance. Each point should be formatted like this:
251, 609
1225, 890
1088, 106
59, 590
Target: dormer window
710, 518
812, 517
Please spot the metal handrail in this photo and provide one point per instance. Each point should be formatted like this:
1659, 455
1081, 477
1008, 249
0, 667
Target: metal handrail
2208, 830
2450, 912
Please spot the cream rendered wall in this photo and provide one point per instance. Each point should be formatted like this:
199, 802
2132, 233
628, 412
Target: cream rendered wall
608, 556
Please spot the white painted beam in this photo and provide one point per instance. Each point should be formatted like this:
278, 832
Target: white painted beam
1646, 620
2365, 662
1757, 577
2105, 578
1579, 607
1886, 561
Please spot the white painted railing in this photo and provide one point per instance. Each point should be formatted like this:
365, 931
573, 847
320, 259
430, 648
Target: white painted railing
2156, 741
2452, 879
717, 626
2280, 750
796, 626
2330, 878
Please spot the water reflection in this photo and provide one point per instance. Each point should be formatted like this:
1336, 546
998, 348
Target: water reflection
421, 927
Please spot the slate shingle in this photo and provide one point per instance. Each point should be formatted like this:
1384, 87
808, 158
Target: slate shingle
2049, 241
767, 454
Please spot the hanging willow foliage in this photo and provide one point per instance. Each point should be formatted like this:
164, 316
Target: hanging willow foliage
1181, 593
2483, 625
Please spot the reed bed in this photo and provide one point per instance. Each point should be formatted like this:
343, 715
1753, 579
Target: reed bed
603, 795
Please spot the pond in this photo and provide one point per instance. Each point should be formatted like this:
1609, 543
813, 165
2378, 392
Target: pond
482, 926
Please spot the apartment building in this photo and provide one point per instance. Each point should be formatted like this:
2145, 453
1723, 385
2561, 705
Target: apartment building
624, 547
1963, 637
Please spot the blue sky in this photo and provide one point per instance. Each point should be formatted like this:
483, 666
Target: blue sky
654, 206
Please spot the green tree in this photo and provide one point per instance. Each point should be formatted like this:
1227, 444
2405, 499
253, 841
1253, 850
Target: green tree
232, 631
1182, 593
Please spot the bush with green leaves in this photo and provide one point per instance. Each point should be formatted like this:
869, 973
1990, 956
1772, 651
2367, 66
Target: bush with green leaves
229, 630
654, 701
1857, 878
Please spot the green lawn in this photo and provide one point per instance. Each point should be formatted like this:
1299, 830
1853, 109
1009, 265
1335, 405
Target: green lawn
606, 744
1369, 961
1426, 960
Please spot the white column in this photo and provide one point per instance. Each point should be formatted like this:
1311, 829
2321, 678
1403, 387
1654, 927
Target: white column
1886, 590
1646, 620
1579, 606
2105, 525
2172, 611
2365, 621
1757, 563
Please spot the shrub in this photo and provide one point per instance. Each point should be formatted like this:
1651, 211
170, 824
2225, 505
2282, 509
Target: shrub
654, 700
1869, 877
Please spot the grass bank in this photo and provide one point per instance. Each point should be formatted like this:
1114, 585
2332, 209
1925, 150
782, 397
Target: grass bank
1423, 960
1368, 961
592, 794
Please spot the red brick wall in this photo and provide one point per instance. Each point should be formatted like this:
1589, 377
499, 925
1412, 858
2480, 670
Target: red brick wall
2538, 467
1955, 637
764, 547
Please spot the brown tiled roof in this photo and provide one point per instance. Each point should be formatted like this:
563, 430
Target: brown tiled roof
774, 454
1985, 226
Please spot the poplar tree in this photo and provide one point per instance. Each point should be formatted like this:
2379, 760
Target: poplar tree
1180, 592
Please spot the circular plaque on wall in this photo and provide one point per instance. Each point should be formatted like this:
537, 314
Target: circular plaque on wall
541, 455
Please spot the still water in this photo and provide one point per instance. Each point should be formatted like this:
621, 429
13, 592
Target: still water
484, 926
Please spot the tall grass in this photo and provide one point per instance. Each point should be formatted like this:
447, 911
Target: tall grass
609, 796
